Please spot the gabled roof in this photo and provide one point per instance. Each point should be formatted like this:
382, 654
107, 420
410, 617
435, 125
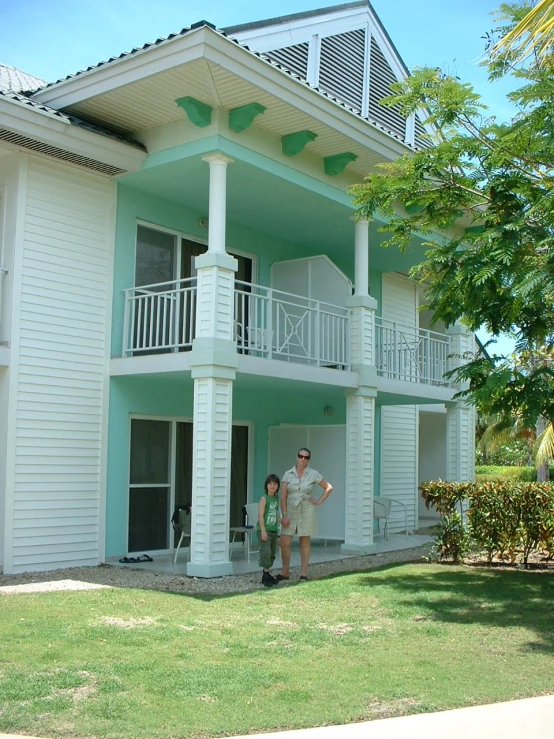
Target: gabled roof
345, 60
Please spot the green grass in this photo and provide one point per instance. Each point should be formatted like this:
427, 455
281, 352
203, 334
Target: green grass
404, 639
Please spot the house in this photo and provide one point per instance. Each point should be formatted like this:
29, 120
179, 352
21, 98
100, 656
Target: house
187, 299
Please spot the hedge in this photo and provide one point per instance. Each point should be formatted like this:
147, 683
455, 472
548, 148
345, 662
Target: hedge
509, 519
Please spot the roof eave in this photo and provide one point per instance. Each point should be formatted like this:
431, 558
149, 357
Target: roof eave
48, 129
205, 42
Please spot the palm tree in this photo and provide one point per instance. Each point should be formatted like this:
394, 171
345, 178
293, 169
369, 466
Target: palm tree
533, 33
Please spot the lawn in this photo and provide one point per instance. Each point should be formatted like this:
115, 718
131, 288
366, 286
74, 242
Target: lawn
403, 639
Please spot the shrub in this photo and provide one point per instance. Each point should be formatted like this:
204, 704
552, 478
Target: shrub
452, 541
507, 518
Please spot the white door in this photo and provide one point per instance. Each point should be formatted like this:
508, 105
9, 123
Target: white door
327, 445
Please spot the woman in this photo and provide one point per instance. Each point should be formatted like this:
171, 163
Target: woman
298, 511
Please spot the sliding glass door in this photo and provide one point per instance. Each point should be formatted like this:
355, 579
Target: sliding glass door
161, 478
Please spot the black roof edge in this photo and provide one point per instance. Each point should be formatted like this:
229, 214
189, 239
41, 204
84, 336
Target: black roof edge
294, 17
201, 24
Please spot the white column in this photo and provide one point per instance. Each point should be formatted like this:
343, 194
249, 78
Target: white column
360, 433
361, 257
213, 364
460, 415
218, 196
360, 405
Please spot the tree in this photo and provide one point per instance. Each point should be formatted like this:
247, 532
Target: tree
483, 198
533, 34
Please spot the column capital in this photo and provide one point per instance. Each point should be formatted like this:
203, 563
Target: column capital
361, 301
217, 157
363, 219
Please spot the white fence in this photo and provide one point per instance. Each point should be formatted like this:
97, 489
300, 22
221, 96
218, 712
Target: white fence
267, 323
411, 354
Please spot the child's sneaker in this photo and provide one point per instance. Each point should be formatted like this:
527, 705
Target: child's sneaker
268, 580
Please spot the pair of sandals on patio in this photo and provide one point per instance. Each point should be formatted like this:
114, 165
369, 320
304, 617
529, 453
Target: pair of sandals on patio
136, 560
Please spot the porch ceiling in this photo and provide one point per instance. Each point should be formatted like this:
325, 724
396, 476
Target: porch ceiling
277, 208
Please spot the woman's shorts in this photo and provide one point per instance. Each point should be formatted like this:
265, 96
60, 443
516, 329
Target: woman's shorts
303, 520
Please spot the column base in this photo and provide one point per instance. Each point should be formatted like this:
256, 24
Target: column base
219, 569
368, 548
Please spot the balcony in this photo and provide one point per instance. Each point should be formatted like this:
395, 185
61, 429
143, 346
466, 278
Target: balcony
411, 354
267, 323
272, 324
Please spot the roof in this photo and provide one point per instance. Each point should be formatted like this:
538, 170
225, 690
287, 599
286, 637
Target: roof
14, 80
67, 117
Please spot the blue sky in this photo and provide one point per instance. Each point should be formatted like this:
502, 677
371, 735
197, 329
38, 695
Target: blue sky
54, 38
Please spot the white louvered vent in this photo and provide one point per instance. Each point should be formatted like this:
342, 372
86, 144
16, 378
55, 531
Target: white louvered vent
341, 70
293, 58
54, 151
421, 140
381, 77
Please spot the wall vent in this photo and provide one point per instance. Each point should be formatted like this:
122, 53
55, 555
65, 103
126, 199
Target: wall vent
294, 58
421, 141
341, 68
54, 151
381, 77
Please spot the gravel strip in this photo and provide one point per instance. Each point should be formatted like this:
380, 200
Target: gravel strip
128, 577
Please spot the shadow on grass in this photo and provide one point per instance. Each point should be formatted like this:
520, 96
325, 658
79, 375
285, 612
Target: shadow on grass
455, 594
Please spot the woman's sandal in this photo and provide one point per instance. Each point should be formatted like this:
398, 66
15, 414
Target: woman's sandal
280, 577
303, 578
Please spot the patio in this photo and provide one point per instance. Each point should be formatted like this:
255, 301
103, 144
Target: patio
321, 552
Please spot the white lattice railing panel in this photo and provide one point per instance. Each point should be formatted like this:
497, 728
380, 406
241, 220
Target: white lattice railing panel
278, 325
411, 354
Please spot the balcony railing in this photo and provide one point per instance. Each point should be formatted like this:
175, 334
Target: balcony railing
278, 325
268, 323
411, 354
159, 318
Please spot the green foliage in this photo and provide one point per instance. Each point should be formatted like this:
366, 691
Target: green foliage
486, 473
452, 540
494, 266
509, 519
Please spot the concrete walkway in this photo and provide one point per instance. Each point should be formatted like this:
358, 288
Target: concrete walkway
532, 717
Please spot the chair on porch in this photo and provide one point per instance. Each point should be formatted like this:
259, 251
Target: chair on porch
381, 511
250, 519
181, 522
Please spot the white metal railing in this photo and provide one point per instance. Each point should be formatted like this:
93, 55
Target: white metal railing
159, 318
410, 353
278, 325
268, 323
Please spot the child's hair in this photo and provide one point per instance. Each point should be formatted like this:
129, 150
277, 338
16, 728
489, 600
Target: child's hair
271, 478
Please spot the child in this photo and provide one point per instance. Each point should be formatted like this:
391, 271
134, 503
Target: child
268, 524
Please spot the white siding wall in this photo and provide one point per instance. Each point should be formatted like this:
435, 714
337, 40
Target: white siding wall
399, 452
60, 385
399, 299
399, 423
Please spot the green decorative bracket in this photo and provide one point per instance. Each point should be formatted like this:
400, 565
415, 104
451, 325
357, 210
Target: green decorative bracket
293, 143
242, 118
414, 208
474, 230
336, 164
198, 113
